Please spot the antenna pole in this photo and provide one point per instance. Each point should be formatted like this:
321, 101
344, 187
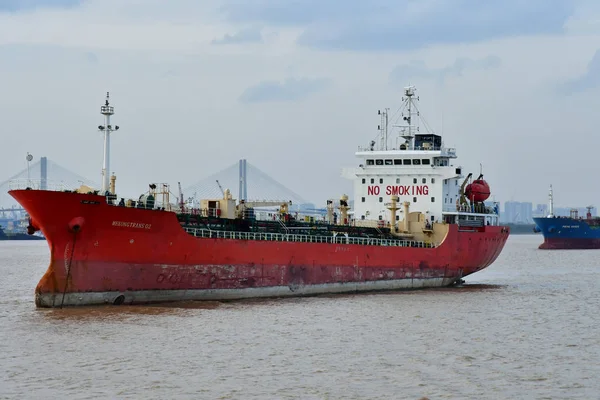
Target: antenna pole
384, 128
107, 110
29, 158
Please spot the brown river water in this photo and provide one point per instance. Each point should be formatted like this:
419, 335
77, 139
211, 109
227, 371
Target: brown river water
527, 327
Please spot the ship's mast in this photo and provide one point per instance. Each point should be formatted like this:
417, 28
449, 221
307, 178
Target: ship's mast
28, 158
107, 110
550, 204
408, 130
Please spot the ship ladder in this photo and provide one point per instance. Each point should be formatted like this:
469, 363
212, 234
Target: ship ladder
285, 228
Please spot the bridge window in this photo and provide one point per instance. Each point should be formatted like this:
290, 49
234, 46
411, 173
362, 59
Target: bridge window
378, 162
397, 180
414, 199
370, 162
424, 180
381, 180
432, 180
433, 199
414, 180
397, 218
457, 171
363, 199
364, 180
406, 161
389, 162
372, 180
397, 162
426, 161
417, 162
381, 199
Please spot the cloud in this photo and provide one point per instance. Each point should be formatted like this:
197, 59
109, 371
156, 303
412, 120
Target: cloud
294, 12
157, 59
585, 19
404, 24
290, 90
24, 5
418, 69
589, 80
249, 35
91, 58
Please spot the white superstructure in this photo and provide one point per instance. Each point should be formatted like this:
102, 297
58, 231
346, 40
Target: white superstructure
417, 168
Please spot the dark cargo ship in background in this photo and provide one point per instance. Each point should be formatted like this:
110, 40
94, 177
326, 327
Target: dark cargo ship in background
572, 232
11, 235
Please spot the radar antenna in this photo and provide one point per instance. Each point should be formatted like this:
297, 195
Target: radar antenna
410, 115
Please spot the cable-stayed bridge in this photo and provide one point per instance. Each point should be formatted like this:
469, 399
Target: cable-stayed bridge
43, 174
243, 179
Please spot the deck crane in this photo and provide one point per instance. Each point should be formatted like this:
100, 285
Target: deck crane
463, 198
221, 188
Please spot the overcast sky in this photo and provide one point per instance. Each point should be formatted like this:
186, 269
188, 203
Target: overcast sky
294, 87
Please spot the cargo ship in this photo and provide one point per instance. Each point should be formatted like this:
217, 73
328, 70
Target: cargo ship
17, 235
572, 232
417, 222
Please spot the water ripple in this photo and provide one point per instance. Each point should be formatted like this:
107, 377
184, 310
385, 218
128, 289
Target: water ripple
523, 328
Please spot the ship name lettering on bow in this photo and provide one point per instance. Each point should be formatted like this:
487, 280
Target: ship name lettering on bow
137, 225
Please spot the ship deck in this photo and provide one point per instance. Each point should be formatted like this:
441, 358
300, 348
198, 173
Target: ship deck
290, 237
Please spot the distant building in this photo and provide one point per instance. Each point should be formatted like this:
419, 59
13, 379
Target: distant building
521, 212
516, 212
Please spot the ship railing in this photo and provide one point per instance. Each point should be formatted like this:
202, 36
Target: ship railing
280, 237
466, 209
39, 184
451, 152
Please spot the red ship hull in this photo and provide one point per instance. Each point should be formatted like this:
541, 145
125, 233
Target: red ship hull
101, 254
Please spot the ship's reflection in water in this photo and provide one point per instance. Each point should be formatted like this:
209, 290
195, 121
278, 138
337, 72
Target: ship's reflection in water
122, 313
524, 328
